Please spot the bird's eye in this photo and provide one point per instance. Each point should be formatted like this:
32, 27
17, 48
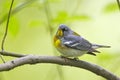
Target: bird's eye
64, 29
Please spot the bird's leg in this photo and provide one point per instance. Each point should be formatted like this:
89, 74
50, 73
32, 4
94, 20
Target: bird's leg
65, 58
62, 56
75, 58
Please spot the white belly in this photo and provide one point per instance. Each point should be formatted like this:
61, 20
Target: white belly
71, 52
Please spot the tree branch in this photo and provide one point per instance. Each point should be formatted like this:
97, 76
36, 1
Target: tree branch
118, 2
34, 59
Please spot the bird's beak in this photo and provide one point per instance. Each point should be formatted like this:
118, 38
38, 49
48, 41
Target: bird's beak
59, 33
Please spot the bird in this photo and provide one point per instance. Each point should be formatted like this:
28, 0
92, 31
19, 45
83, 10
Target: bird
71, 44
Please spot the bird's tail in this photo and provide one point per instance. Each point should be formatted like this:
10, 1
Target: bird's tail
95, 46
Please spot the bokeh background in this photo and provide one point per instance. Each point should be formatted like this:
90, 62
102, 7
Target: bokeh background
33, 24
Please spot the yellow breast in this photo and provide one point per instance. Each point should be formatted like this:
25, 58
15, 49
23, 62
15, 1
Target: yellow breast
57, 42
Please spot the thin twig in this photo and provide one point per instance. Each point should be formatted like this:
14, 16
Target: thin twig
4, 53
118, 2
6, 30
76, 8
49, 18
2, 59
4, 37
34, 59
17, 9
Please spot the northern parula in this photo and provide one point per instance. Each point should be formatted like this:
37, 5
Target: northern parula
71, 44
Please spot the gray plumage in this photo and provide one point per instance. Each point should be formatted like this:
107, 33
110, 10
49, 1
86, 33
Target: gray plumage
77, 42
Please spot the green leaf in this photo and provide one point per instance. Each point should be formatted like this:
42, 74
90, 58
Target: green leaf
81, 17
61, 17
54, 1
64, 17
13, 26
111, 7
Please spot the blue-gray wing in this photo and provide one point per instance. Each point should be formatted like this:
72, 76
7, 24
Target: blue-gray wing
77, 42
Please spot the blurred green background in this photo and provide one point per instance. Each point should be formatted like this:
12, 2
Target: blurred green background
33, 24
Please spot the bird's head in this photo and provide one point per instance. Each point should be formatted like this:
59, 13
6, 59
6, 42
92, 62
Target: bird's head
63, 30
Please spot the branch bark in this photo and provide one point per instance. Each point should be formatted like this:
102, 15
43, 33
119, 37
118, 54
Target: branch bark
34, 59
